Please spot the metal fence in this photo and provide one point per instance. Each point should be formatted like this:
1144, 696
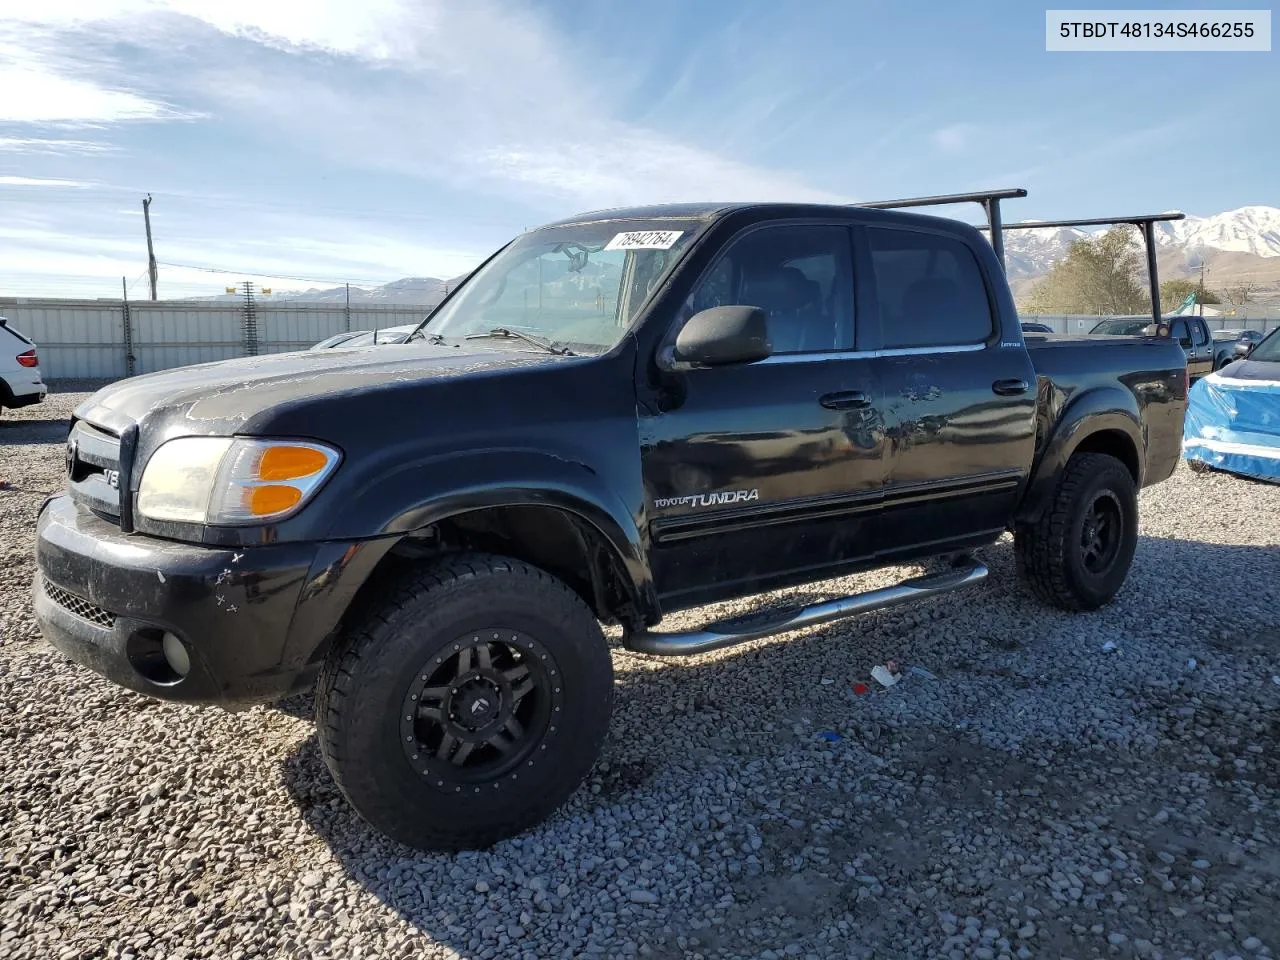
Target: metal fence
107, 339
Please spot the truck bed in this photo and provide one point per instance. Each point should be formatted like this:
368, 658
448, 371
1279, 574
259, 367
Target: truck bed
1151, 370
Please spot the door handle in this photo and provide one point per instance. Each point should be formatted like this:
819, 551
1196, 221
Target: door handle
845, 400
1009, 388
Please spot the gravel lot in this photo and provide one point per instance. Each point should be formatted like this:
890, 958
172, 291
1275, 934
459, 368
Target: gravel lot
1036, 797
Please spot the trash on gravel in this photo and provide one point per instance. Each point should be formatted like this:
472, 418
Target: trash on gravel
830, 736
921, 672
884, 675
1109, 646
860, 688
827, 681
1191, 663
5, 485
1276, 681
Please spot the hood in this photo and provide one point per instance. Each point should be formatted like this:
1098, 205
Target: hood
221, 397
1266, 371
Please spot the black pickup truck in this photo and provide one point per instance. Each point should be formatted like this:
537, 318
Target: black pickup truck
618, 415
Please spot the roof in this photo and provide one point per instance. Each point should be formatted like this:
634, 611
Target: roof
708, 211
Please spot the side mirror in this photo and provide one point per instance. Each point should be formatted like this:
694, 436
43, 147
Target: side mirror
721, 336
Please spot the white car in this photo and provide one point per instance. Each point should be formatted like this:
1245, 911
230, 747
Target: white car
20, 383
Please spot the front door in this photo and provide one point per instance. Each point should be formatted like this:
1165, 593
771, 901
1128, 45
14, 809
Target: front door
959, 404
768, 473
1201, 361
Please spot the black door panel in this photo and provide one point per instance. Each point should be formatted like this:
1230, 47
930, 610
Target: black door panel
769, 472
753, 477
959, 411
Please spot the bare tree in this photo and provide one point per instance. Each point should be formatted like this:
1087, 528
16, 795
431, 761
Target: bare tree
1241, 293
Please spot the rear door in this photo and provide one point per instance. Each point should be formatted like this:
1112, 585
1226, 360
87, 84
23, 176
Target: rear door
960, 404
766, 473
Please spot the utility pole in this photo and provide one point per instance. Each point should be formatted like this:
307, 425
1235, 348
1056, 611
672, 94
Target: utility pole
348, 312
1200, 295
151, 252
249, 320
128, 329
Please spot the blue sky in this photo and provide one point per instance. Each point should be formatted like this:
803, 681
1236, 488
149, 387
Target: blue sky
378, 139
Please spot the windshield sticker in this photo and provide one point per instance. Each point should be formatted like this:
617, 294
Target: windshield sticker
644, 240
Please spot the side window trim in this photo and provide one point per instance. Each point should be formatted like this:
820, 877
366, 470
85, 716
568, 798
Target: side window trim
850, 264
994, 335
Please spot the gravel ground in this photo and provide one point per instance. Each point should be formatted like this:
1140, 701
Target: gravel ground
1036, 797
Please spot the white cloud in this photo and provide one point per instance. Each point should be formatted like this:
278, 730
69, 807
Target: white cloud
371, 28
32, 92
53, 146
12, 181
954, 138
480, 99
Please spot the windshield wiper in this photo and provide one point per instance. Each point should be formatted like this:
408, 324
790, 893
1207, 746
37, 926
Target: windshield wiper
418, 332
508, 334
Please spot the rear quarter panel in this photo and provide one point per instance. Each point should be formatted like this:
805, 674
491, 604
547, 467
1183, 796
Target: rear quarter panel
1135, 387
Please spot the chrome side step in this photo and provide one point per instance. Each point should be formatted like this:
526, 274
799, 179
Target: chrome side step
726, 633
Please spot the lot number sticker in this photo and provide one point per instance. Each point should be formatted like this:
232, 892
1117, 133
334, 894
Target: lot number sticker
644, 240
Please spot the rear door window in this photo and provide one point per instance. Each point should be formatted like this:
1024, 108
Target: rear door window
930, 290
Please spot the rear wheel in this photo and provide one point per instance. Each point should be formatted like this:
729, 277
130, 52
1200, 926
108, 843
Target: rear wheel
468, 706
1078, 554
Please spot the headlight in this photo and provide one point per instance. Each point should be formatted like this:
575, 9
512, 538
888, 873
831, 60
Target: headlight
225, 480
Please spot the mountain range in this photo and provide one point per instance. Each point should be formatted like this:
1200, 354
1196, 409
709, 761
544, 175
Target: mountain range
1238, 246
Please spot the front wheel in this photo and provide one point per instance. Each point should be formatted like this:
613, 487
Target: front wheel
468, 706
1076, 557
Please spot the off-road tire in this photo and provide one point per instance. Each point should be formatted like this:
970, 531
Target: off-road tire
1050, 554
370, 673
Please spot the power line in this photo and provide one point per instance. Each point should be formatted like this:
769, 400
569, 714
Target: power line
274, 276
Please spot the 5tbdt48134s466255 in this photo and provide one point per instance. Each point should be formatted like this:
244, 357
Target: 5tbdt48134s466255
618, 415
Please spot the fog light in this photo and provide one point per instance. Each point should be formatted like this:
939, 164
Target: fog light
175, 654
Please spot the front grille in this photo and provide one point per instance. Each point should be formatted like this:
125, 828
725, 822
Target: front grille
93, 469
78, 606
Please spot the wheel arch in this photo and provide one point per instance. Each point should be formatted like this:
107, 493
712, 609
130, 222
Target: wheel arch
1106, 421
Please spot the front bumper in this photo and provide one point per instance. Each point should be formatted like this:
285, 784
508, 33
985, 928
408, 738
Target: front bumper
252, 620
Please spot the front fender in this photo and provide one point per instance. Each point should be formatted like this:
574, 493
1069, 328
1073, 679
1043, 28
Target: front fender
409, 499
1102, 409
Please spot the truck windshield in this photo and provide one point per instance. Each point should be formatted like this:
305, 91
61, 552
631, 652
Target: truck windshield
578, 286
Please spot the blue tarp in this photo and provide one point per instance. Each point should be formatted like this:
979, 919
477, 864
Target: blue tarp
1233, 420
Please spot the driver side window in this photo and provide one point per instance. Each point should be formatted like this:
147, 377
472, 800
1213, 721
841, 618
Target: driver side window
800, 276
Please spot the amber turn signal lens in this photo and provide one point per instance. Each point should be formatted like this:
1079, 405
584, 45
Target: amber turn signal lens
264, 501
290, 463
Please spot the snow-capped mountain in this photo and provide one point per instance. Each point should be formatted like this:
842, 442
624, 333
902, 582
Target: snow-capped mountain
1254, 230
1030, 253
